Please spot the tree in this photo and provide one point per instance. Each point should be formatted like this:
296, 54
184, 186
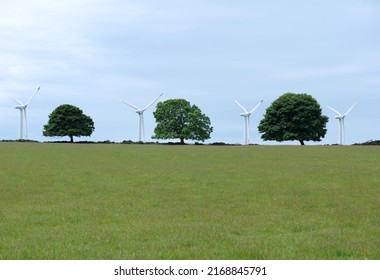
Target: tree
68, 120
294, 117
178, 119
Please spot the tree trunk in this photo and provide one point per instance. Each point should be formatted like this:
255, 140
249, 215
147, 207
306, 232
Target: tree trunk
302, 143
182, 141
71, 139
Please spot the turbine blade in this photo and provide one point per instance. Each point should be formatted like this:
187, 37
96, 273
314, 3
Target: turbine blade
150, 104
349, 110
241, 106
339, 114
130, 105
256, 107
17, 101
30, 99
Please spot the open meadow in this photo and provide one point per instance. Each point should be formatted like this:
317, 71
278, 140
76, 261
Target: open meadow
98, 201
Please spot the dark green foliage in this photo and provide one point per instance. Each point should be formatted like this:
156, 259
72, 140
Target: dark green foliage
294, 117
68, 120
178, 119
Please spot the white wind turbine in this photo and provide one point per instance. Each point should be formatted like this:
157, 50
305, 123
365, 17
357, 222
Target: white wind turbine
23, 120
140, 112
341, 117
246, 116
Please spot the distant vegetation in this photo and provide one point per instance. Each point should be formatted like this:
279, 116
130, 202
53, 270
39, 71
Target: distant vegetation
368, 143
294, 117
68, 120
178, 119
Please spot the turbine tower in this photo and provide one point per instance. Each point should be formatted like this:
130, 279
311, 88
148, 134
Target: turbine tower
246, 116
140, 112
340, 118
23, 120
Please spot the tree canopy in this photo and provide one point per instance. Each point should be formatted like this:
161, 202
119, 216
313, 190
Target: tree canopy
68, 120
294, 117
178, 119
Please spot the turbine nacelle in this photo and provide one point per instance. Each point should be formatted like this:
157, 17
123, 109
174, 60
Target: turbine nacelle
245, 114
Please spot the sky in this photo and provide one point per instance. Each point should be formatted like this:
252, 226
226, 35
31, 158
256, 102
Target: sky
94, 53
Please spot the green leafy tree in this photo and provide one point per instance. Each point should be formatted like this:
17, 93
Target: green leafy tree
68, 120
294, 117
178, 119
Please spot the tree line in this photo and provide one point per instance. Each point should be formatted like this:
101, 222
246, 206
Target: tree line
291, 117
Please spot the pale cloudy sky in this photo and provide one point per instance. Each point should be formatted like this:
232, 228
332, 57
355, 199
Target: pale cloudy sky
93, 53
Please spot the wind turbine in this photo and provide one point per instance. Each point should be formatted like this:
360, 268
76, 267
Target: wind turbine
246, 116
340, 118
140, 112
23, 120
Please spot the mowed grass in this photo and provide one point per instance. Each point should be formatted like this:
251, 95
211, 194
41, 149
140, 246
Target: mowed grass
91, 201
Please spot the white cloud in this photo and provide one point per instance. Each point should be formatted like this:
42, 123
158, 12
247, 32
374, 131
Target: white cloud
94, 52
316, 72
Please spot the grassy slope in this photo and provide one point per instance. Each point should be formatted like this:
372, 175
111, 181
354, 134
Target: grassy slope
61, 201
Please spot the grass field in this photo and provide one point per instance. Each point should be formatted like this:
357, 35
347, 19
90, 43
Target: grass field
83, 201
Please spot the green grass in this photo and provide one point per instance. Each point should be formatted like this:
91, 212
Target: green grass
83, 201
